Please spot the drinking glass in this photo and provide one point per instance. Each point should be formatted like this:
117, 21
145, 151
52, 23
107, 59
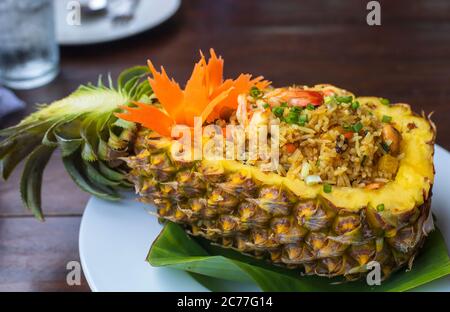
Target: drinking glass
29, 54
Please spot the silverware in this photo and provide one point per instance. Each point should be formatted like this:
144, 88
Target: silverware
123, 11
93, 7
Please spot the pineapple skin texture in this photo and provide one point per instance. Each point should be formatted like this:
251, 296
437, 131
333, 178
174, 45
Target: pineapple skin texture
269, 221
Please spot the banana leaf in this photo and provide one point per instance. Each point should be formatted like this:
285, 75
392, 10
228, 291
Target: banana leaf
205, 261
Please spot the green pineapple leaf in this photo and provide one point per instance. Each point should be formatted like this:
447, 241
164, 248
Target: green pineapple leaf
84, 128
31, 181
175, 249
129, 79
76, 169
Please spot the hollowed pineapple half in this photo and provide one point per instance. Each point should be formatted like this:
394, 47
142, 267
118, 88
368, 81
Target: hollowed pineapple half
235, 204
288, 222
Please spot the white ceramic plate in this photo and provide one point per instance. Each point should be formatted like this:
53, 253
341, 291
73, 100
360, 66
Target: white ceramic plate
149, 14
116, 237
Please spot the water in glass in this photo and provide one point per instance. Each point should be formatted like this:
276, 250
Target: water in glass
29, 55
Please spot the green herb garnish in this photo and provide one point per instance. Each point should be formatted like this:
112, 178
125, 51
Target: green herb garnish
303, 119
255, 92
266, 105
386, 119
310, 107
385, 101
291, 118
296, 109
344, 99
355, 105
327, 188
330, 99
380, 207
357, 127
278, 111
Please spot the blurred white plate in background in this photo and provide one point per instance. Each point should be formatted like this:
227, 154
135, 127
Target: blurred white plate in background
92, 30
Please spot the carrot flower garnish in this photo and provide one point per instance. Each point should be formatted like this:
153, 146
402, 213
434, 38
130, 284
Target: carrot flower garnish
206, 95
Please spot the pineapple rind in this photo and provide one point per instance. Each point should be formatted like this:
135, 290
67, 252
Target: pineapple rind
289, 223
260, 214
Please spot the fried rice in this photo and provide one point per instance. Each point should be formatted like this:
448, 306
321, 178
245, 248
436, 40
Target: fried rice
338, 143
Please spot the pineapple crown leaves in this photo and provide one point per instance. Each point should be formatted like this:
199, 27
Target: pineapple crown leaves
83, 127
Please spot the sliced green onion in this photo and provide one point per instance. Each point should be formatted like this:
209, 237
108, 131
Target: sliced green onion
303, 118
385, 101
327, 188
329, 99
291, 118
255, 92
357, 127
266, 105
355, 105
344, 99
380, 207
278, 111
310, 107
296, 109
386, 119
284, 104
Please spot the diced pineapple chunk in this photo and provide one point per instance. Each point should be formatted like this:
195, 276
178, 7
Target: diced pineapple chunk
388, 164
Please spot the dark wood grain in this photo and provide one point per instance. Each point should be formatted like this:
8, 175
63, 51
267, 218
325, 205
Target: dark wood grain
57, 185
34, 255
291, 41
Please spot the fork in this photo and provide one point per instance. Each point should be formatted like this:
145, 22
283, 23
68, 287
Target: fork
123, 11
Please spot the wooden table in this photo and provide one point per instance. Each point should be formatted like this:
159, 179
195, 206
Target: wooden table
307, 42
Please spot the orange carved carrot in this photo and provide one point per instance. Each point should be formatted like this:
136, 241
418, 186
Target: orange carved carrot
206, 95
149, 117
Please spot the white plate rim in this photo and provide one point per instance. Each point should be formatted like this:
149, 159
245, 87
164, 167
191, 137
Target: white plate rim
172, 5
